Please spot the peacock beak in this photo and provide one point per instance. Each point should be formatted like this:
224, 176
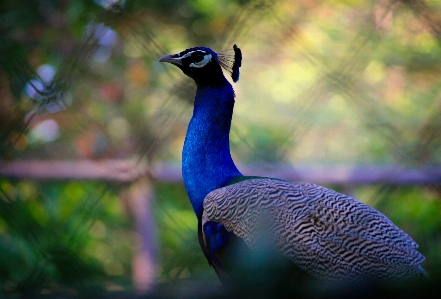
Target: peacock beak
173, 59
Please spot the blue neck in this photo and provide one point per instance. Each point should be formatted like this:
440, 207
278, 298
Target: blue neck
206, 158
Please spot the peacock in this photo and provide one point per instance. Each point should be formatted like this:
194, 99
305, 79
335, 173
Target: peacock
321, 232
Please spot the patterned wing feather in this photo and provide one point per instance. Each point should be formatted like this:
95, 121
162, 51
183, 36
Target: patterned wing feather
328, 234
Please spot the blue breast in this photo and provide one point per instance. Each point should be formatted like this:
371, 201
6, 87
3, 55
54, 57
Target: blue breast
207, 164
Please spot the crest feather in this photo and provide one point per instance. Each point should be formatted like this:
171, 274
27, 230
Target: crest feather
231, 60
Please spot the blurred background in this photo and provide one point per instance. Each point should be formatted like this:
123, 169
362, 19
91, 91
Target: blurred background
345, 93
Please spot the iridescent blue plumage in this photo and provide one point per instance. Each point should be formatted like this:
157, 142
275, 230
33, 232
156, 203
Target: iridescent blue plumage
217, 238
207, 144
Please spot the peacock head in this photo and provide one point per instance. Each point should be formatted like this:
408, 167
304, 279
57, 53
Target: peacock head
203, 65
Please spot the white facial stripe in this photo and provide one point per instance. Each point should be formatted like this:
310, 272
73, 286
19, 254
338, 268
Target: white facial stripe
207, 59
189, 54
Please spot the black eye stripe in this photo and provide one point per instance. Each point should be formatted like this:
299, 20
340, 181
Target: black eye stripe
195, 57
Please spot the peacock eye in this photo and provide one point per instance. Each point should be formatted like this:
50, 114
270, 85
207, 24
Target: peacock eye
198, 56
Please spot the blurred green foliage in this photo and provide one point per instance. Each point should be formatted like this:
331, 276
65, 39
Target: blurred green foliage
62, 235
352, 82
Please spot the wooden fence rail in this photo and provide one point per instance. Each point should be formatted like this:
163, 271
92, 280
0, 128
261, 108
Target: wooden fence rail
127, 171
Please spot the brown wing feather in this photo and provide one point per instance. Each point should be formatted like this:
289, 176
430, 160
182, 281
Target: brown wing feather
328, 234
